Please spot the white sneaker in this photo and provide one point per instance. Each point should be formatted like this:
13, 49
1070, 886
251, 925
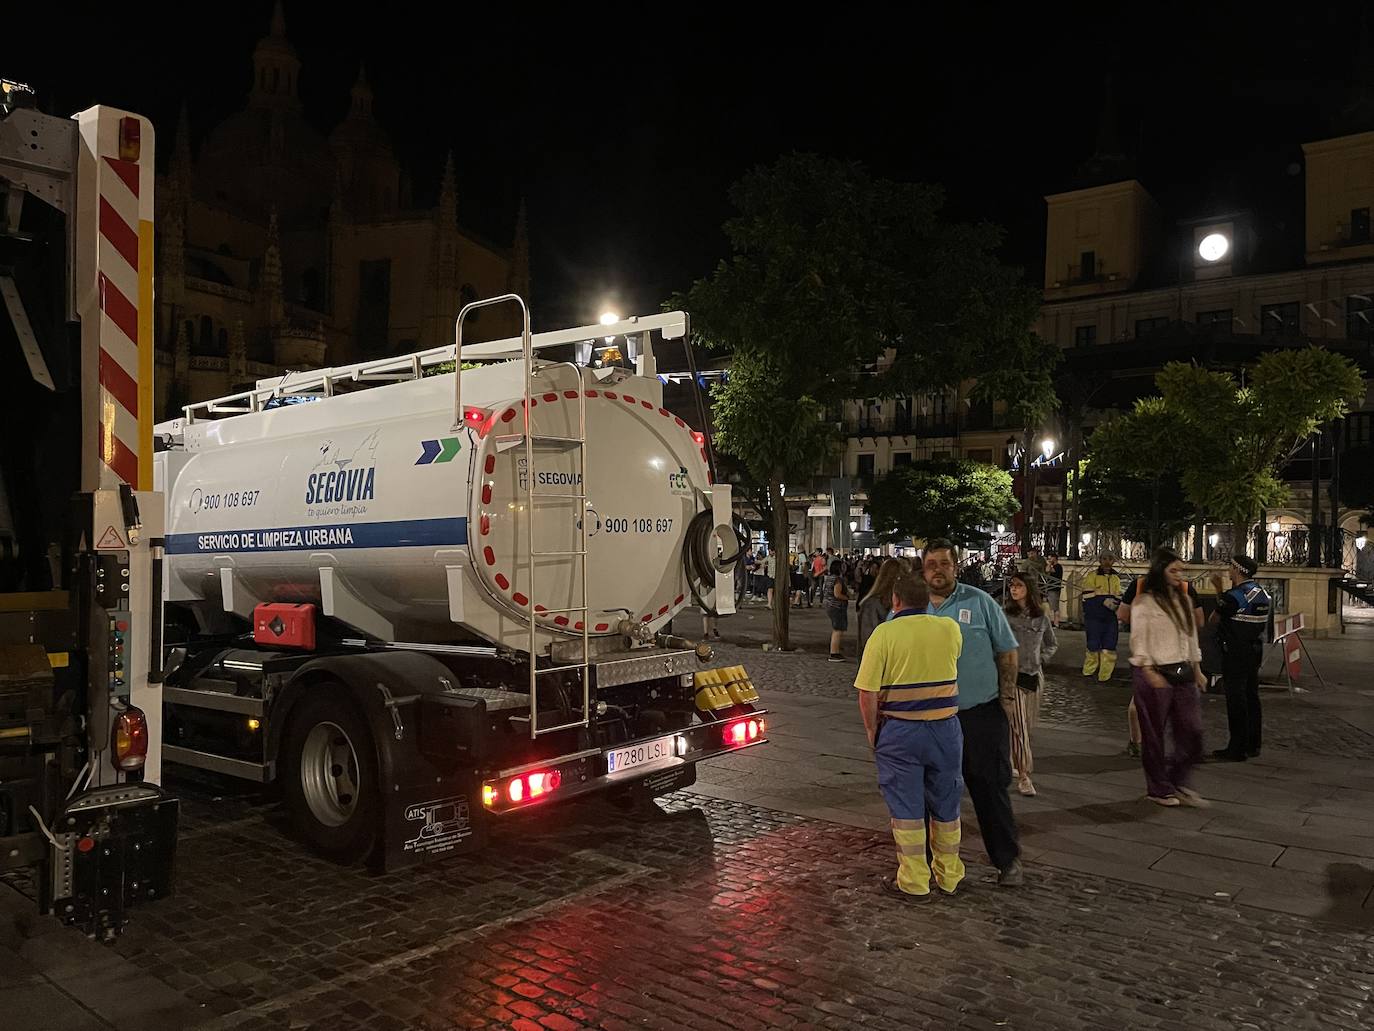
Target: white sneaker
1025, 786
1189, 797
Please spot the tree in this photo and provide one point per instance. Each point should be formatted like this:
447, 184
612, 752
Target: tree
1239, 437
1133, 471
831, 270
941, 498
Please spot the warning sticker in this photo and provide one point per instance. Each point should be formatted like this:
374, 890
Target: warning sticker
110, 540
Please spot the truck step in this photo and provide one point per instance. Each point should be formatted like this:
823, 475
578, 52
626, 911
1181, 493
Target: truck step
220, 701
261, 773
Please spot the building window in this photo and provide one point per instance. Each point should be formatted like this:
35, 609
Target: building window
1359, 429
1359, 225
1279, 319
1359, 317
980, 454
1215, 317
900, 458
864, 472
373, 321
1144, 327
1087, 264
1084, 336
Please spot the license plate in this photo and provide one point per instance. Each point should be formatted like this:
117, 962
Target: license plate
618, 760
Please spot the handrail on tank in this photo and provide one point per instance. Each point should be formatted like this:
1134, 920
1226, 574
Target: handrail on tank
671, 325
525, 345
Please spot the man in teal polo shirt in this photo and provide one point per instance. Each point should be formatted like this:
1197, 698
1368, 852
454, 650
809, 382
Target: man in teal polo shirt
987, 674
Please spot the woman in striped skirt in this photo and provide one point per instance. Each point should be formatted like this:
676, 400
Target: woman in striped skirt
1035, 644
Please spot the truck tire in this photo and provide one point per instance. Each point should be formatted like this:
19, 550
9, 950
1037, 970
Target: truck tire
329, 780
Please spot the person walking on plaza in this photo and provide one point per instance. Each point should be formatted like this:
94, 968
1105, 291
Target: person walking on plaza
1054, 585
835, 598
909, 699
1035, 644
987, 680
1101, 596
1166, 675
1242, 623
876, 606
770, 574
1123, 615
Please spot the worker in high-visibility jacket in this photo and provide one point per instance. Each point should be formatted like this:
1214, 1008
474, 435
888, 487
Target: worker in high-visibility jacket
908, 685
1101, 599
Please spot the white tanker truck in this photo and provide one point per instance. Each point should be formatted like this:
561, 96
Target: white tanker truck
421, 598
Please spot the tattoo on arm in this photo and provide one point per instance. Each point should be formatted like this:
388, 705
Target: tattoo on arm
1006, 669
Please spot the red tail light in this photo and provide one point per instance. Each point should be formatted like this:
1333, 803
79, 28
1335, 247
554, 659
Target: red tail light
475, 415
129, 739
698, 436
521, 790
743, 732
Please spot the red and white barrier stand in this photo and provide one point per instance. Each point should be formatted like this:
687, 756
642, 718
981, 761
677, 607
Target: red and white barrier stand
1288, 638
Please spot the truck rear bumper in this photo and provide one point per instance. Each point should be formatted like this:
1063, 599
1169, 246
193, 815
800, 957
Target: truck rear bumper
656, 765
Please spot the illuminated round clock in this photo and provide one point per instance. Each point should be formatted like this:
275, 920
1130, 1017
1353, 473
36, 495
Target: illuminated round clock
1213, 247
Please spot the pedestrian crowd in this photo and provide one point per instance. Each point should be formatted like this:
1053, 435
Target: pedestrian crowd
950, 681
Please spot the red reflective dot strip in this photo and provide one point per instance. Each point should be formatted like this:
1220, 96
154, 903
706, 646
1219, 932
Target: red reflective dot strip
571, 395
502, 582
490, 465
577, 625
551, 397
519, 598
508, 415
489, 555
610, 395
592, 393
485, 524
664, 412
663, 611
561, 620
678, 599
679, 421
646, 617
648, 404
486, 493
600, 627
540, 608
627, 399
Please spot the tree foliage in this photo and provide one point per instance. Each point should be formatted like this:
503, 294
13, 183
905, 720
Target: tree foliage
941, 498
1235, 439
1133, 475
830, 270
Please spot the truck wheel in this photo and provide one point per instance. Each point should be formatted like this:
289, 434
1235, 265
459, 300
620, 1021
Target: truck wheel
330, 776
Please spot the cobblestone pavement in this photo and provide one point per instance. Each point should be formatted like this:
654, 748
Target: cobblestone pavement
1070, 700
720, 915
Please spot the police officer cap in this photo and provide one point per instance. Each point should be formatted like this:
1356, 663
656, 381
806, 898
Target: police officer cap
1246, 564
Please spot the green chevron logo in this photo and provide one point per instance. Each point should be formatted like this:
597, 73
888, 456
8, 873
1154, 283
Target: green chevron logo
436, 452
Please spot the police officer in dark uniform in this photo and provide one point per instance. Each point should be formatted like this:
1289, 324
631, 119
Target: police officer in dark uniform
1242, 623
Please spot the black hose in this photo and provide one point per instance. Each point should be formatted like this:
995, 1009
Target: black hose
699, 562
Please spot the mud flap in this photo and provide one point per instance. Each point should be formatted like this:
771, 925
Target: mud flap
114, 847
433, 820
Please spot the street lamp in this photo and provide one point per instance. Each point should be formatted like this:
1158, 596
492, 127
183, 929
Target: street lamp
609, 318
1047, 448
1360, 542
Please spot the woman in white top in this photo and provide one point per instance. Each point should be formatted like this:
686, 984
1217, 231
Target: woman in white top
1166, 674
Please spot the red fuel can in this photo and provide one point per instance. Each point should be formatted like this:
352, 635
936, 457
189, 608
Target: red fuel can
291, 626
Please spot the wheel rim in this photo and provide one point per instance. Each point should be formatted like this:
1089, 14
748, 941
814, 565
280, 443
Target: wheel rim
329, 774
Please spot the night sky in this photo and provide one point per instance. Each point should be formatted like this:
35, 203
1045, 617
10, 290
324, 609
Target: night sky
623, 132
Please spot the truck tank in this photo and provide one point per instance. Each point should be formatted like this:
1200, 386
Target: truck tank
371, 506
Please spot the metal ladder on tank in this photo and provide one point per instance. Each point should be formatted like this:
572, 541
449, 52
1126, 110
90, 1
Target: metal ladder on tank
533, 442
